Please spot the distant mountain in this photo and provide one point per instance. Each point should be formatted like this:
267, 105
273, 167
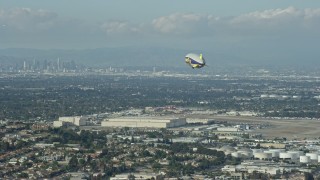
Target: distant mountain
127, 56
138, 56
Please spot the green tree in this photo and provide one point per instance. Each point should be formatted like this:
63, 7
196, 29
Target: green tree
146, 153
23, 175
73, 164
160, 154
156, 166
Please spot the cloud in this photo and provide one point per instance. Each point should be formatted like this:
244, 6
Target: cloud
177, 24
278, 20
41, 22
268, 15
26, 19
119, 27
38, 28
45, 26
253, 23
182, 23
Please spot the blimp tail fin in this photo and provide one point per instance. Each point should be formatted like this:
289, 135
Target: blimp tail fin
201, 56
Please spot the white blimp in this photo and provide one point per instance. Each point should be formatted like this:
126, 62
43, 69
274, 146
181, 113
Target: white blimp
195, 60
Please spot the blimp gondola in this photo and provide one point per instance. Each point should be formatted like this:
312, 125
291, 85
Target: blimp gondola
195, 60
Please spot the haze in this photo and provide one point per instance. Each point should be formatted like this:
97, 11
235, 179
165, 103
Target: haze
265, 31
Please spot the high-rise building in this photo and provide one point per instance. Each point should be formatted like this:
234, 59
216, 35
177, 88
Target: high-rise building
58, 64
24, 65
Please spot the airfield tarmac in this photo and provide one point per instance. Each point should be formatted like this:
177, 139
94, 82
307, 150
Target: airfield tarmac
288, 128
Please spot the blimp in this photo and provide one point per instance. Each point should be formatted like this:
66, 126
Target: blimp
195, 60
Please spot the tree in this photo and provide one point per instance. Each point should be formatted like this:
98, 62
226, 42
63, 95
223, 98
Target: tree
145, 153
94, 165
188, 169
20, 144
4, 146
156, 166
160, 154
82, 162
104, 152
308, 176
73, 163
23, 175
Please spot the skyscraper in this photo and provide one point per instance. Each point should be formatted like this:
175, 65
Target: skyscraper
24, 65
58, 64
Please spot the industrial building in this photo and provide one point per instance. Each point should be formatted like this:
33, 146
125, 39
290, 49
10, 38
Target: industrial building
144, 122
228, 129
139, 176
262, 156
272, 168
313, 156
72, 120
199, 121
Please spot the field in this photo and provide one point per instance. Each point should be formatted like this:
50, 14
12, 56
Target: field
291, 129
298, 129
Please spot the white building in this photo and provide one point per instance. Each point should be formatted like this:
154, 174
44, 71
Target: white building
72, 120
200, 121
144, 122
268, 167
262, 155
289, 155
138, 176
313, 156
58, 123
304, 159
251, 169
228, 129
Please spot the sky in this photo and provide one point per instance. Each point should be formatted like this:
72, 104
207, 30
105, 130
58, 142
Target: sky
268, 28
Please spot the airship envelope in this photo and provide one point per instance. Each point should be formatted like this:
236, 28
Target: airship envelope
195, 60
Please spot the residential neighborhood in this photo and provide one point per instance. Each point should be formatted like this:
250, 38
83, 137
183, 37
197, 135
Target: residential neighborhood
199, 148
